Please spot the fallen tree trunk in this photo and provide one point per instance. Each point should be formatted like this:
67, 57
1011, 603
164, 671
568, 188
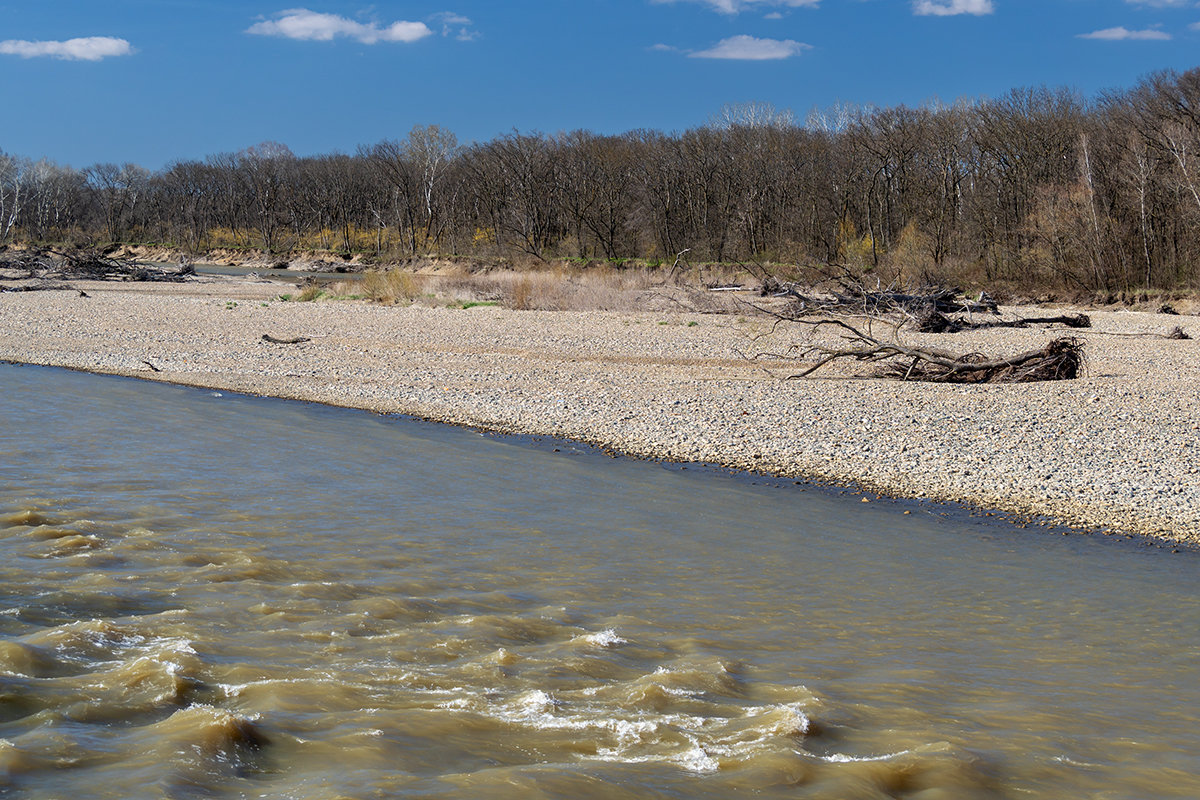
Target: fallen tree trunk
1061, 359
39, 286
936, 322
274, 340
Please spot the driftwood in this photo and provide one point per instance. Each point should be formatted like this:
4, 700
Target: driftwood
87, 264
847, 294
266, 337
1061, 359
40, 286
925, 309
1176, 332
937, 322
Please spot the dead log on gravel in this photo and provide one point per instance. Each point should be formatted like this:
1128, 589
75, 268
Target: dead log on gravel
856, 312
87, 264
936, 322
39, 286
1061, 359
848, 294
273, 340
928, 309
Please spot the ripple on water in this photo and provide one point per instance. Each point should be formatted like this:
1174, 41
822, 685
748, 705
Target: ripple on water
248, 599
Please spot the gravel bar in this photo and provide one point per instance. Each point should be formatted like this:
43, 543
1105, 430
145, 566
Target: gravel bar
1114, 451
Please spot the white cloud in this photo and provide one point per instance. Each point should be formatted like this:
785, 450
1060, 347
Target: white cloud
305, 25
1122, 34
456, 25
90, 48
738, 6
949, 8
748, 48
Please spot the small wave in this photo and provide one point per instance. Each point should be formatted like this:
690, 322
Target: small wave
604, 726
604, 638
842, 758
70, 545
201, 744
17, 658
26, 519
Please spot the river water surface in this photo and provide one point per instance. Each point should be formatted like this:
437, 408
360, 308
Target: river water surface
211, 595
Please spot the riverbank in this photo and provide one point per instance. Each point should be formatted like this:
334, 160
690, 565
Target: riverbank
1117, 450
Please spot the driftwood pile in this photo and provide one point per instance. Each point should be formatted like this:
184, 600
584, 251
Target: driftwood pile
857, 312
926, 309
48, 269
1061, 359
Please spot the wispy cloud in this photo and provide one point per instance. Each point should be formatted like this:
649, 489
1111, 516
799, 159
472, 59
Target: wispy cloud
456, 25
738, 6
748, 48
1122, 34
305, 25
90, 48
950, 8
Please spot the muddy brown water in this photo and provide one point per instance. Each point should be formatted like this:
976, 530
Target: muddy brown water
210, 595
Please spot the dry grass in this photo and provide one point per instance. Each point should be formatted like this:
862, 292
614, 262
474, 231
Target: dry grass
544, 290
557, 287
391, 286
309, 293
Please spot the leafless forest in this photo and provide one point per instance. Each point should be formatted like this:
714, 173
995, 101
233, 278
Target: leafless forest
1040, 188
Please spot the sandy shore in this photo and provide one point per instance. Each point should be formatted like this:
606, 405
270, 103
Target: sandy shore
1118, 450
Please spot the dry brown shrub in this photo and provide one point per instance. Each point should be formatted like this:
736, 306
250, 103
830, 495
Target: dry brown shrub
309, 293
392, 286
520, 295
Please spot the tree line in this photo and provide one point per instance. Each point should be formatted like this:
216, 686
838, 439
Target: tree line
1037, 187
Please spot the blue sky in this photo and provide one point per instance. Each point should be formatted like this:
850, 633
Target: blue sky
151, 81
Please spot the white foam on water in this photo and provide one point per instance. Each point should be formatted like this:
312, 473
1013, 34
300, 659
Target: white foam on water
605, 638
697, 759
841, 758
1073, 763
696, 742
538, 702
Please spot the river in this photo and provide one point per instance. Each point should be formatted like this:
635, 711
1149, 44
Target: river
214, 595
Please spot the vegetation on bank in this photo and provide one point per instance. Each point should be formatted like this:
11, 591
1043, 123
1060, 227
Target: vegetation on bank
1038, 190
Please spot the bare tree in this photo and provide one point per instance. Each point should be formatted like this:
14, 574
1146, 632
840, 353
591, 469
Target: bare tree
15, 174
117, 189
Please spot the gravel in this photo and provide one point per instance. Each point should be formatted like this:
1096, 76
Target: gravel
1115, 451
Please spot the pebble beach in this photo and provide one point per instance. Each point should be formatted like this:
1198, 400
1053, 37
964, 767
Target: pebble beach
1116, 451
